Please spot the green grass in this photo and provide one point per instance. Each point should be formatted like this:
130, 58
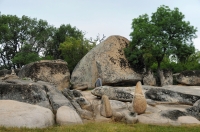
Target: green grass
108, 127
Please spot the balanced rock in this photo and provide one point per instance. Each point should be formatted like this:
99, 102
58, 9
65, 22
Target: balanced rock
107, 61
19, 114
105, 109
53, 71
67, 116
139, 101
191, 78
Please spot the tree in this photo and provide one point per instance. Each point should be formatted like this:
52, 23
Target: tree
162, 35
15, 32
25, 56
73, 50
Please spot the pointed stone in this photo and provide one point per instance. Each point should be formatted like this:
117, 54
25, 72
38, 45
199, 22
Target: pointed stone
138, 88
139, 104
105, 109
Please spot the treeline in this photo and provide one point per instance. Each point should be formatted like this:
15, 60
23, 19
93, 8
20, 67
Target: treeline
24, 40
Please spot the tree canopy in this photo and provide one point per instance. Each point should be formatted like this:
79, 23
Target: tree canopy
24, 40
163, 34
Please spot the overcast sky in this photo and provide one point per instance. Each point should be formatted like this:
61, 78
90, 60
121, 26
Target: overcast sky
108, 17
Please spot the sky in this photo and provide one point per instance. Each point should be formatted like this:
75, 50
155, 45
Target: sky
99, 17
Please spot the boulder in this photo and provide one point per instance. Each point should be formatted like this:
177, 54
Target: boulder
113, 93
105, 109
191, 78
53, 71
188, 120
166, 77
19, 114
107, 61
24, 91
159, 94
139, 101
67, 116
149, 79
56, 98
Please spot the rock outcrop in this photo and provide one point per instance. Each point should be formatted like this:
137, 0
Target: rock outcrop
166, 77
112, 93
149, 79
24, 91
165, 95
53, 71
19, 114
191, 78
107, 61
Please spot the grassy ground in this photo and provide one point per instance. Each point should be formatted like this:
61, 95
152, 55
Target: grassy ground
108, 127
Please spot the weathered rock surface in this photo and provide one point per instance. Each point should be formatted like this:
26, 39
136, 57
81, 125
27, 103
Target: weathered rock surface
166, 77
105, 109
159, 94
24, 91
19, 114
56, 98
67, 116
189, 78
113, 93
107, 61
188, 120
53, 71
149, 79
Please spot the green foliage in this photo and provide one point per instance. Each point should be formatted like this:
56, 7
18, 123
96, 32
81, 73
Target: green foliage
73, 50
25, 56
165, 34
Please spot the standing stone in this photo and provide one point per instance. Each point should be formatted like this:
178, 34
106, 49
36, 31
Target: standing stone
105, 109
98, 83
166, 77
139, 101
108, 61
67, 116
149, 79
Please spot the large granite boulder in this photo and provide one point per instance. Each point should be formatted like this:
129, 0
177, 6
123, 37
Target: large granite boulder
19, 114
24, 91
107, 61
191, 78
53, 71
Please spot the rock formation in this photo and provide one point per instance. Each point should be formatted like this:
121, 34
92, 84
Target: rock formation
113, 93
149, 79
191, 78
166, 77
19, 114
53, 71
107, 61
